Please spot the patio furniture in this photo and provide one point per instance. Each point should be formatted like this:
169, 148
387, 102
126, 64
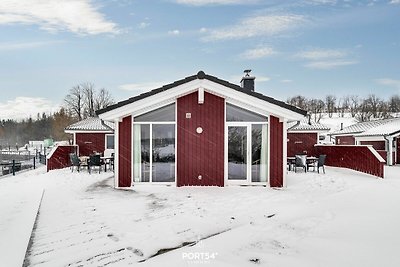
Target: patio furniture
321, 163
75, 162
300, 162
94, 160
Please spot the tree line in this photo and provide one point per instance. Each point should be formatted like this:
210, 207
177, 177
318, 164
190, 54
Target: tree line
82, 101
364, 109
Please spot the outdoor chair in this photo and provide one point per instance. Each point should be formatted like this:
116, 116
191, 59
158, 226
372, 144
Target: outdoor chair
300, 162
75, 161
320, 163
94, 160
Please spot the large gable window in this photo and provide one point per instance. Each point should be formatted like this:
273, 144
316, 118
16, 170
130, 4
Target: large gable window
235, 113
154, 145
166, 113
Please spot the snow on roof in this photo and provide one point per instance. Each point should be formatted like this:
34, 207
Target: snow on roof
305, 125
389, 127
372, 128
91, 124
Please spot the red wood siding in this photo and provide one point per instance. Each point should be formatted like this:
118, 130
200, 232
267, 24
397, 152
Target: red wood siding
200, 154
299, 143
60, 158
358, 158
378, 145
398, 150
345, 140
276, 152
90, 142
125, 152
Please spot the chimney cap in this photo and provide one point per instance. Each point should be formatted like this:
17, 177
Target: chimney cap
247, 72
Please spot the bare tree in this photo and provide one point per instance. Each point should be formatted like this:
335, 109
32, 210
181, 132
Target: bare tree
74, 101
394, 103
330, 102
344, 104
316, 108
103, 99
298, 101
83, 100
354, 105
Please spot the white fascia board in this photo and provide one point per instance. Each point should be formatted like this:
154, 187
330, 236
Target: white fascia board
232, 96
369, 138
87, 131
308, 131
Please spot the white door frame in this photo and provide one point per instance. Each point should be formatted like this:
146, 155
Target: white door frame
248, 156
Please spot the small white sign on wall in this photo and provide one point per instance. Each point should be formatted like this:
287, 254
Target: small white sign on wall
188, 115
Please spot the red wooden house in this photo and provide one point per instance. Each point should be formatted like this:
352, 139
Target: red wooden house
382, 135
201, 130
92, 135
303, 135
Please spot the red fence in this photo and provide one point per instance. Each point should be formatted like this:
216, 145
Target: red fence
360, 158
58, 158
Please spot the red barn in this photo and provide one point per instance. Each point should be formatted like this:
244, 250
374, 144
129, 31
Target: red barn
92, 135
303, 135
201, 130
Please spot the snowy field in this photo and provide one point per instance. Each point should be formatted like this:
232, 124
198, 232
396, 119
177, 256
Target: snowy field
342, 218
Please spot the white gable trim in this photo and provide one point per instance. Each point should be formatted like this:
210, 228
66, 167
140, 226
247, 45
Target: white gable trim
232, 96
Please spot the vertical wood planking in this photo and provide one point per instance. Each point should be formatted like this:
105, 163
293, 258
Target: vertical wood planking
60, 158
300, 142
124, 152
358, 158
345, 140
90, 142
276, 152
200, 154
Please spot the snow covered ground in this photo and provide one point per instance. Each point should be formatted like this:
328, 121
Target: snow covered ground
342, 218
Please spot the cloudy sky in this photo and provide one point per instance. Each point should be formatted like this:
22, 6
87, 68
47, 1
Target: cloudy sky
309, 47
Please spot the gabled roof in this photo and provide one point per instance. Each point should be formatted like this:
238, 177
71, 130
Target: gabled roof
306, 125
388, 127
372, 128
358, 127
91, 124
201, 75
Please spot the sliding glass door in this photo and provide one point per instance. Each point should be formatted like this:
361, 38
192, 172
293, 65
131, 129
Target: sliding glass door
247, 153
237, 153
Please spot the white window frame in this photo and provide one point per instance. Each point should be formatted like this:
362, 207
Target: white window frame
105, 141
151, 152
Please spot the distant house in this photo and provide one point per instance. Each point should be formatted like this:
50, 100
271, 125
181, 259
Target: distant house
383, 135
201, 130
92, 135
303, 135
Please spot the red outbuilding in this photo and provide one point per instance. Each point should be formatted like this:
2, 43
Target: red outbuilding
201, 130
302, 136
92, 135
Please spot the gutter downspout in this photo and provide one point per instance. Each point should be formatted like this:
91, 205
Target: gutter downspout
389, 157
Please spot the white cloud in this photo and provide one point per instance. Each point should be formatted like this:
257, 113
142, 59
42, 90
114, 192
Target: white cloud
143, 25
286, 81
215, 2
24, 107
318, 54
77, 16
395, 2
257, 26
329, 64
203, 30
141, 87
174, 32
389, 82
26, 45
259, 52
